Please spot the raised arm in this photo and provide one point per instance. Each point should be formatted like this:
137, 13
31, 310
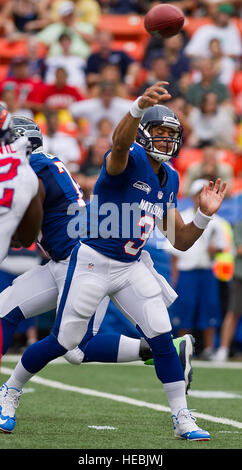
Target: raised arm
182, 236
126, 131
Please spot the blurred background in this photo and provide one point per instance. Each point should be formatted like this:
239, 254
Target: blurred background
75, 67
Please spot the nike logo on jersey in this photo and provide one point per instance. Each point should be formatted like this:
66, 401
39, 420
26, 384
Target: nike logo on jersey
142, 186
153, 209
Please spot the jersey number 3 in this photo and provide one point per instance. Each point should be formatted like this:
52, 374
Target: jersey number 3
129, 246
8, 171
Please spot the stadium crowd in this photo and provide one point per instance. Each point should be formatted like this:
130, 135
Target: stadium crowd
76, 66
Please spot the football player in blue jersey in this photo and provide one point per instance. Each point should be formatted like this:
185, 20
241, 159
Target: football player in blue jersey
18, 302
101, 266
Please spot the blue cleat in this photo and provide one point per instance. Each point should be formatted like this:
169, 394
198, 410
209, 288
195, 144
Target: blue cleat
9, 402
185, 427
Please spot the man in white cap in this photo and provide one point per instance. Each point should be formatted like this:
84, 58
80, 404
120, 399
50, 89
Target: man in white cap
198, 304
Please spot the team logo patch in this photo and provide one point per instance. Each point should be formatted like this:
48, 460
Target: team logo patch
160, 195
91, 266
142, 186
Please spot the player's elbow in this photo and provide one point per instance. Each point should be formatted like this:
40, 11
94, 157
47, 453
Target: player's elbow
182, 245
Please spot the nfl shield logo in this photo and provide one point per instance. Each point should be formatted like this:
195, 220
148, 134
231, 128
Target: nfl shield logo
160, 194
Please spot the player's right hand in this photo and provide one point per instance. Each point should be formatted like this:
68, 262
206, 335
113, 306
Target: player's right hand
155, 94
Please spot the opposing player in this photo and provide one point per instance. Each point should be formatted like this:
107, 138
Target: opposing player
99, 266
19, 200
20, 208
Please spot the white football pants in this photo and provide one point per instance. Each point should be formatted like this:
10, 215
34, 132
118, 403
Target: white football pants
141, 295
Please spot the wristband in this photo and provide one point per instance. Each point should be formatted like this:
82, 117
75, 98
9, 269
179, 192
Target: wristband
135, 110
201, 220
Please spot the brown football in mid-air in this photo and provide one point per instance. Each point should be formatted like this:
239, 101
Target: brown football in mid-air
164, 20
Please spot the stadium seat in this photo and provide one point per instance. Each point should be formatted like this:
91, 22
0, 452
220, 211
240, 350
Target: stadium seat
186, 158
238, 166
134, 48
129, 27
10, 49
236, 186
238, 22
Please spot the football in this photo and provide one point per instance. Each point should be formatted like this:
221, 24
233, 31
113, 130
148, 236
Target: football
164, 20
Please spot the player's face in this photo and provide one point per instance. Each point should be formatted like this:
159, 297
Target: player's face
163, 131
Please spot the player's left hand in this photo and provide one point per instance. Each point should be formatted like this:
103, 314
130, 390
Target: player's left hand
211, 197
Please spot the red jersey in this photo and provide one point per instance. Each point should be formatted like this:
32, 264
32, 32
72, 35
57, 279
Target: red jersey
60, 98
26, 89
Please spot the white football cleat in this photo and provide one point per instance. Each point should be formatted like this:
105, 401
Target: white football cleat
10, 402
185, 427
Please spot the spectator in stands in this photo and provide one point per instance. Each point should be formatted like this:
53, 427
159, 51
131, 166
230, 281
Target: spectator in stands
28, 16
110, 73
36, 64
60, 144
91, 169
224, 66
82, 34
86, 11
9, 99
179, 106
160, 71
59, 95
234, 313
106, 55
74, 65
209, 121
222, 29
198, 304
105, 128
28, 90
207, 83
173, 53
209, 168
105, 105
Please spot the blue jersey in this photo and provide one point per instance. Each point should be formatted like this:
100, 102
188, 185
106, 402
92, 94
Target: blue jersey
127, 206
61, 191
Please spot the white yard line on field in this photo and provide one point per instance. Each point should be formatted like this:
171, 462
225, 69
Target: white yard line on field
121, 399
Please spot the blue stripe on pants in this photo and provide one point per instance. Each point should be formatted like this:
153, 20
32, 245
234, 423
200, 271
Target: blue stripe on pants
67, 285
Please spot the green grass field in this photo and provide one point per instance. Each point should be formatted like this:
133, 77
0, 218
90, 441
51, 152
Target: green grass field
65, 405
